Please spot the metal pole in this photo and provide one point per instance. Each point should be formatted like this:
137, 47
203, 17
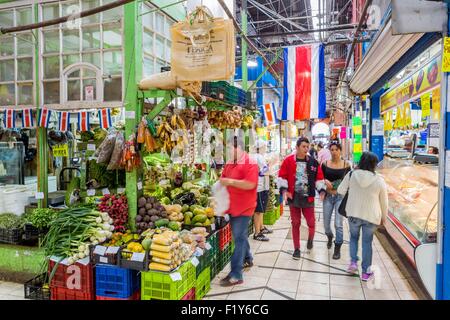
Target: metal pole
244, 66
336, 28
265, 70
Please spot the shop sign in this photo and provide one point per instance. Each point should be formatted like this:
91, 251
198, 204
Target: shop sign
423, 80
425, 104
436, 103
61, 150
446, 55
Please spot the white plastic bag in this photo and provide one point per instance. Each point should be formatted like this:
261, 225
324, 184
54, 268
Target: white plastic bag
221, 199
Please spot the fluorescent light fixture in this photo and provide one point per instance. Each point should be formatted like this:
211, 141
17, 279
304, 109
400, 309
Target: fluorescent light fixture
252, 64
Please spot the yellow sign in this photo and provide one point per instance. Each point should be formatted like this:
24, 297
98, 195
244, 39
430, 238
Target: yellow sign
357, 130
407, 114
423, 80
436, 103
61, 150
357, 148
425, 104
446, 55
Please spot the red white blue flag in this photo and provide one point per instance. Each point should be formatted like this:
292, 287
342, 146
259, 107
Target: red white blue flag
83, 121
64, 120
10, 118
269, 114
44, 118
104, 116
27, 118
304, 83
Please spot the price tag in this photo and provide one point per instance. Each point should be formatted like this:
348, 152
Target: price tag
92, 158
103, 260
138, 257
176, 276
199, 251
179, 92
84, 261
100, 250
227, 217
105, 191
139, 185
120, 190
91, 147
112, 250
195, 261
208, 246
213, 227
40, 195
130, 114
61, 150
91, 192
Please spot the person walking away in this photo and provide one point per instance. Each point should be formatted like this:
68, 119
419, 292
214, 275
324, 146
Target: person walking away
334, 171
240, 176
298, 178
366, 208
263, 192
323, 154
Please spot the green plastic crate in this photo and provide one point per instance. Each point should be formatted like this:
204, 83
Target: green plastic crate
277, 211
251, 228
213, 241
225, 255
203, 284
215, 265
269, 218
157, 285
204, 262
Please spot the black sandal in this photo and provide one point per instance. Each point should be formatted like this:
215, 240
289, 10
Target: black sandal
260, 237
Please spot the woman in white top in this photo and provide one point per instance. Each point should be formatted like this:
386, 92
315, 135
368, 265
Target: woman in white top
366, 208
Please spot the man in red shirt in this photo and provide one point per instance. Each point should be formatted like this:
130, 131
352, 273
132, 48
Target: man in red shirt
240, 176
298, 178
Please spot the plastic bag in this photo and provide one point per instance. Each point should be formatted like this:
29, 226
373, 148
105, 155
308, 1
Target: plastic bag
203, 48
221, 199
106, 148
116, 156
141, 131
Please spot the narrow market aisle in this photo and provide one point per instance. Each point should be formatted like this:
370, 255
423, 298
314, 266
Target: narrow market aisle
316, 276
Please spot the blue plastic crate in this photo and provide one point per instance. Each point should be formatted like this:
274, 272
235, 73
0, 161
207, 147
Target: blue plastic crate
115, 282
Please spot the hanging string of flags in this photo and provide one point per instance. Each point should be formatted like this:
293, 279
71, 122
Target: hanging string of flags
63, 118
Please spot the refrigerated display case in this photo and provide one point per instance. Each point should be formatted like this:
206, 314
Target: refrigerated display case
12, 157
413, 202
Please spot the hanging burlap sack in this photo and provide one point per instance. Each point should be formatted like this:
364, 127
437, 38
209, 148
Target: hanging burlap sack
203, 48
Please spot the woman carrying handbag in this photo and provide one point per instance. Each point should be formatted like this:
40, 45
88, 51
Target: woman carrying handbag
366, 209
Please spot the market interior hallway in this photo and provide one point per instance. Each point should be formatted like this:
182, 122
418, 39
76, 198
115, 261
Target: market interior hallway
316, 276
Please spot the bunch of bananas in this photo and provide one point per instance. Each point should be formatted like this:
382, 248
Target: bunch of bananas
173, 133
247, 122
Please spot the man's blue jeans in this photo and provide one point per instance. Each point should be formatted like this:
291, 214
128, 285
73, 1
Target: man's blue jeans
331, 204
239, 229
356, 225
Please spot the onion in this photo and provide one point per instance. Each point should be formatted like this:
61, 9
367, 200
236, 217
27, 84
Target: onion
87, 252
111, 228
106, 226
70, 261
81, 255
99, 220
95, 242
92, 239
82, 248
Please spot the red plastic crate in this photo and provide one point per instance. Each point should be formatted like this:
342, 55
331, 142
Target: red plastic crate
66, 275
190, 295
68, 294
135, 296
224, 236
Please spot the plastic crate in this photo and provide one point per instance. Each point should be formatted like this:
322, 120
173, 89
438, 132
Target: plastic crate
115, 282
135, 296
30, 232
157, 285
269, 218
215, 266
224, 236
107, 258
213, 241
11, 236
64, 276
190, 295
225, 256
131, 264
204, 262
34, 288
69, 294
203, 284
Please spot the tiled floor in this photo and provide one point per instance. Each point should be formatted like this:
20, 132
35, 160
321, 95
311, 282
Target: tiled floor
276, 276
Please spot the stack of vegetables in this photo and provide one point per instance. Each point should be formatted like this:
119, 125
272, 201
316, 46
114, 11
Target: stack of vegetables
117, 208
198, 216
165, 251
151, 214
176, 217
73, 230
